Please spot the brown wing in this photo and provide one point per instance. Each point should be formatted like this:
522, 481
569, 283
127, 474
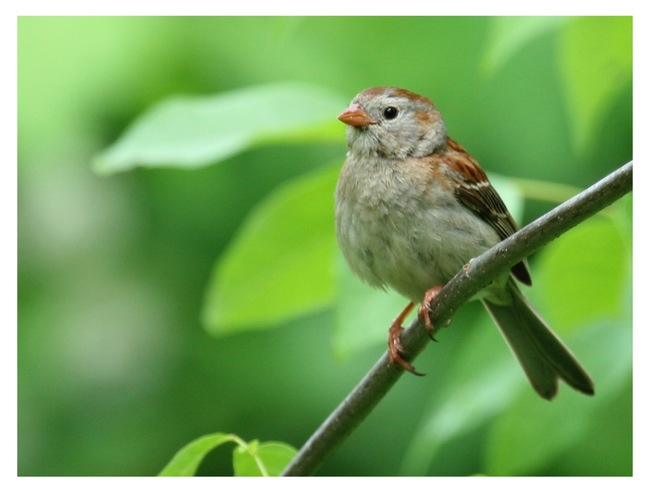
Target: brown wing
475, 192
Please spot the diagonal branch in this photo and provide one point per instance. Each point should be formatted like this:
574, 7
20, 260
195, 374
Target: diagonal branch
481, 271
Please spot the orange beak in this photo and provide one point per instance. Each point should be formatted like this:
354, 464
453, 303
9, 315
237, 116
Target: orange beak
355, 116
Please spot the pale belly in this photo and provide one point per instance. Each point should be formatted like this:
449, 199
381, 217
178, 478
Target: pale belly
410, 250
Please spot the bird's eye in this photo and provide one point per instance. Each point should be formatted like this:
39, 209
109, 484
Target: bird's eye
390, 113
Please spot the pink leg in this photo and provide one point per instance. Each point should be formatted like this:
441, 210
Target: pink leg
395, 345
425, 308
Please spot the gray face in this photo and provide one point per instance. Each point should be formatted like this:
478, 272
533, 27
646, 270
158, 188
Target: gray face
402, 125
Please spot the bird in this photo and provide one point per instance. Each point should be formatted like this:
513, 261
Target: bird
412, 207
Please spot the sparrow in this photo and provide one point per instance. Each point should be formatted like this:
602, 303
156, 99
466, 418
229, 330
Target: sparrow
412, 207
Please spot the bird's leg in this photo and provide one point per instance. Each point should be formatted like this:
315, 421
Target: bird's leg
395, 345
425, 308
395, 348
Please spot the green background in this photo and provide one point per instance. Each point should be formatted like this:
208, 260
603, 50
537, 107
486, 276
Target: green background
161, 304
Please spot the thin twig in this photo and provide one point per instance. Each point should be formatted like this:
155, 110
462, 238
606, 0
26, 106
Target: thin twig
480, 272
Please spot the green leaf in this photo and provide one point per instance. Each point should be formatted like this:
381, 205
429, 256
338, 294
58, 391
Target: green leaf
253, 458
596, 65
191, 132
583, 274
266, 459
186, 461
280, 264
509, 35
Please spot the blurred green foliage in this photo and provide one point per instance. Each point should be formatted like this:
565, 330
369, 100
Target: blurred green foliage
118, 370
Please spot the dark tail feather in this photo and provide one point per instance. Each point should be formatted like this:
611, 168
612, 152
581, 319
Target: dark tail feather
541, 353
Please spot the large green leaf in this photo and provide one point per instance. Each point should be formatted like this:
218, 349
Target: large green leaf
191, 132
582, 275
596, 65
280, 264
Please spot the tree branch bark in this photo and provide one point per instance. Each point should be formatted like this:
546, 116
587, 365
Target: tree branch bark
480, 272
